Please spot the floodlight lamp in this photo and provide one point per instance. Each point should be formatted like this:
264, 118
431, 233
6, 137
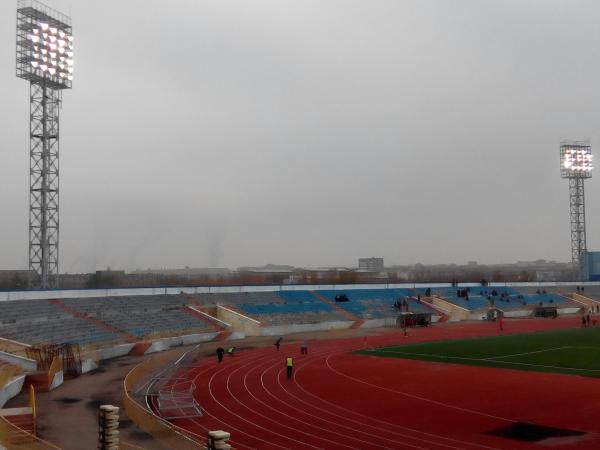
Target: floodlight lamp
43, 37
576, 159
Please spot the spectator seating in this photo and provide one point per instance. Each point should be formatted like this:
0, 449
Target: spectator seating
142, 315
483, 297
40, 321
291, 307
376, 303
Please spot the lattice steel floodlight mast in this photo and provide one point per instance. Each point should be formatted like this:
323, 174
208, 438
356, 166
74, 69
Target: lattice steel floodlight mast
45, 59
576, 165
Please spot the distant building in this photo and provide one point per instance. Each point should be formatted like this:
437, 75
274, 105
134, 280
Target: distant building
592, 266
267, 268
187, 272
370, 264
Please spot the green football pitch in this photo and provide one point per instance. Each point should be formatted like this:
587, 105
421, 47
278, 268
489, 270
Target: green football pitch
568, 351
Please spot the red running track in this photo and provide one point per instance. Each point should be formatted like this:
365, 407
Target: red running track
337, 400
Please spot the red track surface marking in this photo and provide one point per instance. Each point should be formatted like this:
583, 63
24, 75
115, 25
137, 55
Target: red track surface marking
341, 400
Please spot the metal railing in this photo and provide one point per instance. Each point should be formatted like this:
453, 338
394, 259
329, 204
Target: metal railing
166, 433
15, 438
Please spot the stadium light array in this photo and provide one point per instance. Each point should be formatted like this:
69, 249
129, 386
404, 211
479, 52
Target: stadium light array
45, 59
45, 45
576, 159
576, 164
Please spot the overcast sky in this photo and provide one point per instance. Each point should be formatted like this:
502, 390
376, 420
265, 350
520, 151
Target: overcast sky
228, 133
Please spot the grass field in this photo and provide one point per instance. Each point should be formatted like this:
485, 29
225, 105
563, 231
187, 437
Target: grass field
568, 351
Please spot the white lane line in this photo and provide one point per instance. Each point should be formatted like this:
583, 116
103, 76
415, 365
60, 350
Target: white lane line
338, 424
416, 397
388, 425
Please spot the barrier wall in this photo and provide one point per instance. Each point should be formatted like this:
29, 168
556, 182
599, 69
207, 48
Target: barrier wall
27, 364
279, 330
455, 312
79, 293
186, 339
239, 322
163, 431
210, 318
11, 389
390, 322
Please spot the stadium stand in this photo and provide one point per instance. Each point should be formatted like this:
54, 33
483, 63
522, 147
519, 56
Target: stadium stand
38, 321
141, 315
290, 307
41, 321
376, 303
106, 320
505, 298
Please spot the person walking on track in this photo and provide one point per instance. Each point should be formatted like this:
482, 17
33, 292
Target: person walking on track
289, 366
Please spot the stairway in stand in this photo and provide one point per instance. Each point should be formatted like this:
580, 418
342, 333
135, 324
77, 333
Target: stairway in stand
200, 315
98, 323
348, 315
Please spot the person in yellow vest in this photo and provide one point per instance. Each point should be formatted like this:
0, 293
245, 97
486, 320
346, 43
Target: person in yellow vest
289, 366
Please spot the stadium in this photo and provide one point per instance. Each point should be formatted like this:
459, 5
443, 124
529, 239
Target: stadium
352, 360
385, 366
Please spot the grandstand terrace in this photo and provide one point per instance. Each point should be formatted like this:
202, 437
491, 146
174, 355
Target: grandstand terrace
127, 315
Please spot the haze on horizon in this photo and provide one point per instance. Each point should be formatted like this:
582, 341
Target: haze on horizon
310, 133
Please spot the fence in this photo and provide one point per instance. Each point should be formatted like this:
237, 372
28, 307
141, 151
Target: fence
14, 438
163, 431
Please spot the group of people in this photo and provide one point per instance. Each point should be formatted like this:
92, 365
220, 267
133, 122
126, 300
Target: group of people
586, 319
289, 361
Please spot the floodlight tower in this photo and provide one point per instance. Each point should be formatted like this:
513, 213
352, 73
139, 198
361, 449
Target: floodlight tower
45, 59
576, 165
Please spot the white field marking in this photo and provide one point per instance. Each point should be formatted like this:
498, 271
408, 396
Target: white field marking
338, 424
417, 397
526, 353
461, 358
206, 370
548, 367
253, 365
387, 425
327, 351
212, 394
228, 387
